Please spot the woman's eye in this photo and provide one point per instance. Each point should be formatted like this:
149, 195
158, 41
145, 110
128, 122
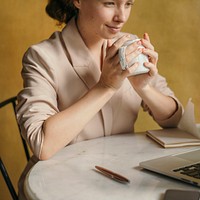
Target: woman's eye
128, 4
109, 3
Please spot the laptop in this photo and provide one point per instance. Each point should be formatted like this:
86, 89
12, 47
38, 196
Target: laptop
183, 166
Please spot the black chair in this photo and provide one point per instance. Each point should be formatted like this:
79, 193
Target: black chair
6, 177
8, 181
13, 101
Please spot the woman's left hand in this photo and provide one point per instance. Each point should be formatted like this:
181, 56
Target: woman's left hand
140, 81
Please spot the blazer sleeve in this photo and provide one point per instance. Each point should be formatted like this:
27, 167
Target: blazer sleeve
160, 83
38, 100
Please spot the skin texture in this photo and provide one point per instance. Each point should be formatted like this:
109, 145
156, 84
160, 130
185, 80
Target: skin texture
100, 20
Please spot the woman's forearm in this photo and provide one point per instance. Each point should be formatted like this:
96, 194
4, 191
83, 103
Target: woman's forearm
162, 107
60, 129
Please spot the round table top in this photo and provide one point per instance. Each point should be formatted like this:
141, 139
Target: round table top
71, 174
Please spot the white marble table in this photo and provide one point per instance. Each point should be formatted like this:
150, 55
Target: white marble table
70, 174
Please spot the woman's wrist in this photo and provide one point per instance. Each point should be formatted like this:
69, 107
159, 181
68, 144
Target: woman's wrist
143, 89
103, 85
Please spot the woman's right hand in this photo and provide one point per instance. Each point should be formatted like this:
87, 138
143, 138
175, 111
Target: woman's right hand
112, 75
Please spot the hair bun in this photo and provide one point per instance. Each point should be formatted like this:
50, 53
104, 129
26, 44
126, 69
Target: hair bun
61, 10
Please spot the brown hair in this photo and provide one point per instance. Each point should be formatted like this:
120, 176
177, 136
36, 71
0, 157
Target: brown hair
61, 10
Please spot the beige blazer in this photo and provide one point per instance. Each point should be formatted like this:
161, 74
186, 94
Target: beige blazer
59, 71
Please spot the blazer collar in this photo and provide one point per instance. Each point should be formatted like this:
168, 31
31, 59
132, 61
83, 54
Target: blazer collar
80, 56
85, 66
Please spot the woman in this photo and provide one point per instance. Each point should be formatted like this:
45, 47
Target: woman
74, 87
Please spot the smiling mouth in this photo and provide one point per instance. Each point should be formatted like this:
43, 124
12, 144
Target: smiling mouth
114, 29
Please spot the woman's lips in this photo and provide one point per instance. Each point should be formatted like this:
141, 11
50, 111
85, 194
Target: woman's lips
114, 29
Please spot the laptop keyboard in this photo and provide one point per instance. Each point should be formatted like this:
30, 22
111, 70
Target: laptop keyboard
190, 170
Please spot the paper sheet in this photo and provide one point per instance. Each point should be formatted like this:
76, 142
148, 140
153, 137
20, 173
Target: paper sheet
187, 122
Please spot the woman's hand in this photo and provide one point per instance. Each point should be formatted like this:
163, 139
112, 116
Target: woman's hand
140, 81
112, 74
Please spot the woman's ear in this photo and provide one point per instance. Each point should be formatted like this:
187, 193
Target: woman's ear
77, 3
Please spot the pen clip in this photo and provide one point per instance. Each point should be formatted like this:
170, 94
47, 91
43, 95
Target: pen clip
112, 175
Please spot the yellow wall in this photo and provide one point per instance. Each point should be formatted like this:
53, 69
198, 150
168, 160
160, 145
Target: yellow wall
22, 23
172, 25
174, 30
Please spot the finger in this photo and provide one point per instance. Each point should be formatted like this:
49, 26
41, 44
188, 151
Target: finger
130, 70
147, 44
152, 68
133, 47
146, 36
129, 52
153, 55
134, 54
126, 59
113, 49
109, 43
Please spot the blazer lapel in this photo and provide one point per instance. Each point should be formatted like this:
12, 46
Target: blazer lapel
85, 66
81, 59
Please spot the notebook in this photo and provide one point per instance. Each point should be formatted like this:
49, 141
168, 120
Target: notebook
183, 166
173, 137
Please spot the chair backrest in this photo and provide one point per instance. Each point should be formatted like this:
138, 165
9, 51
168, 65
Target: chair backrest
13, 101
7, 180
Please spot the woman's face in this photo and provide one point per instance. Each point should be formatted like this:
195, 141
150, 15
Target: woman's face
103, 18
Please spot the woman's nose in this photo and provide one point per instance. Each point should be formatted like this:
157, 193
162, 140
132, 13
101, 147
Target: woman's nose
120, 15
